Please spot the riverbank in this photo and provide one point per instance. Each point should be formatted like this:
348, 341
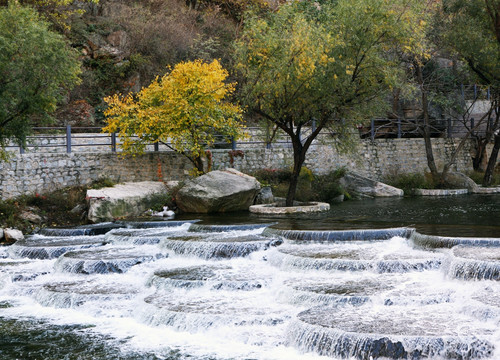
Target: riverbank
61, 208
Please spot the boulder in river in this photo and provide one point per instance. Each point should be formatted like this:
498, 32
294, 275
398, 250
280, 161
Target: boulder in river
122, 200
218, 191
363, 186
12, 235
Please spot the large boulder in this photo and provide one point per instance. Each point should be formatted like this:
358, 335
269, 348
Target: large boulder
458, 180
265, 196
363, 186
218, 191
12, 235
123, 200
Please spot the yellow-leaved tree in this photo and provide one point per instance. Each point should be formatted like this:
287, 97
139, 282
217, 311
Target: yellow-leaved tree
186, 109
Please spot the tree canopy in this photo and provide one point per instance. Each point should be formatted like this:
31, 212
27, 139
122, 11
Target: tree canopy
58, 12
470, 29
37, 67
185, 109
326, 62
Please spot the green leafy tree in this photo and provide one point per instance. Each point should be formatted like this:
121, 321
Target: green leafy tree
58, 12
328, 62
471, 28
186, 110
37, 68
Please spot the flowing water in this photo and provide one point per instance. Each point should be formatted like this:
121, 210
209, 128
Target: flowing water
398, 279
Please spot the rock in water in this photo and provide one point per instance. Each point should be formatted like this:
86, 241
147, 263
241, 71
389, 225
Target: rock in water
265, 196
363, 186
461, 181
12, 235
218, 191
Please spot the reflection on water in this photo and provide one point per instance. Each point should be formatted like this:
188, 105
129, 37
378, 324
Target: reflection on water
469, 215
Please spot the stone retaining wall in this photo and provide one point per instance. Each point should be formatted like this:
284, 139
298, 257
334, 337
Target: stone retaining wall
42, 172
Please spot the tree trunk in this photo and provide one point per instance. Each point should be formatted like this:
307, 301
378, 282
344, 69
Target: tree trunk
488, 175
431, 163
299, 156
479, 157
294, 180
198, 163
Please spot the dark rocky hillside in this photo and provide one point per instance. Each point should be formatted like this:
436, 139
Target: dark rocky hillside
125, 44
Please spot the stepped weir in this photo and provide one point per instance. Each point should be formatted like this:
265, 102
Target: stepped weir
190, 290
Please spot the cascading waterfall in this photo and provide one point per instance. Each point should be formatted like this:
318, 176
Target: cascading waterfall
430, 241
358, 256
98, 229
183, 290
71, 294
219, 245
347, 235
40, 247
215, 277
104, 261
223, 228
475, 263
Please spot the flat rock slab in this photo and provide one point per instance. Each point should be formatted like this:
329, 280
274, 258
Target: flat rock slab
441, 192
491, 190
122, 200
364, 186
284, 210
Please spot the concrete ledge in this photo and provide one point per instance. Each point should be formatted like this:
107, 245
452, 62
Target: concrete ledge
491, 190
440, 192
272, 209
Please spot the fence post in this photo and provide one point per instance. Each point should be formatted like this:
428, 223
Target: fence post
113, 142
475, 91
449, 128
21, 149
472, 123
399, 128
313, 125
233, 143
372, 129
68, 139
156, 146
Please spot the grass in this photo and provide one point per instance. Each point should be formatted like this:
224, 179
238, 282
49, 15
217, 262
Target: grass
409, 182
54, 208
478, 177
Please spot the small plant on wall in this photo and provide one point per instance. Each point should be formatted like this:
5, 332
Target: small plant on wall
234, 154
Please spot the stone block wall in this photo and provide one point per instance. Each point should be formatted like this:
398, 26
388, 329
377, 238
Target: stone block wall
42, 172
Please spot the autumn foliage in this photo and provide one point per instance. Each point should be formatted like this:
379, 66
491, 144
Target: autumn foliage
186, 109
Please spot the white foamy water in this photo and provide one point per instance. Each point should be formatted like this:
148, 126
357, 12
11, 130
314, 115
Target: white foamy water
239, 295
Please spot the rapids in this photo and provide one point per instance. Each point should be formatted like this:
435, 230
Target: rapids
189, 290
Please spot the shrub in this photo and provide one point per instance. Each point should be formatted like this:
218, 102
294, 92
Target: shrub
8, 210
309, 188
102, 183
156, 202
327, 187
478, 177
408, 182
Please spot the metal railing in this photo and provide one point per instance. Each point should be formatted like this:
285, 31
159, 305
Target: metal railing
411, 128
70, 138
